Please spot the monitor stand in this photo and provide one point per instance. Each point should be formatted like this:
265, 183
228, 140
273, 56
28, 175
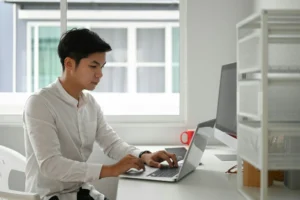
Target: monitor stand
226, 157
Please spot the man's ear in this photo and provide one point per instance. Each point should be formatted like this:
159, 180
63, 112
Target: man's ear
69, 63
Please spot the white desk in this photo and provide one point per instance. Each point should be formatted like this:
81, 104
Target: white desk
209, 181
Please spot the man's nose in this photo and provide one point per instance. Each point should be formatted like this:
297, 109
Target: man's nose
99, 73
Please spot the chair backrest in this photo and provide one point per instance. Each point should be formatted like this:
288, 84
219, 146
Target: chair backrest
9, 160
12, 160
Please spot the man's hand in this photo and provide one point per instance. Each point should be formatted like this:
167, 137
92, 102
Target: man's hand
154, 159
122, 166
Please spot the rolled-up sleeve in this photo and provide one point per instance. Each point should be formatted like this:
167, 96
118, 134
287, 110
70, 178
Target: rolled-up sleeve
40, 126
113, 146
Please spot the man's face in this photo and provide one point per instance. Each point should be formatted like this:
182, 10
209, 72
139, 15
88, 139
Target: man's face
89, 71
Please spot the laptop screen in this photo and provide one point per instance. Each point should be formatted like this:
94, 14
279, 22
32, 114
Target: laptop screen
196, 150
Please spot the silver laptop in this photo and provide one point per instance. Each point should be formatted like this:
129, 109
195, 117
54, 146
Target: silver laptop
189, 163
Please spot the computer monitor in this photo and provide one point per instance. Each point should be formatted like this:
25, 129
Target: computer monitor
226, 120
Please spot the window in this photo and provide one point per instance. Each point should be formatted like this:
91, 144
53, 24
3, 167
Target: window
141, 61
142, 74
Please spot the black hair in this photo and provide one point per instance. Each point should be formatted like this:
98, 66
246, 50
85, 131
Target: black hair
80, 43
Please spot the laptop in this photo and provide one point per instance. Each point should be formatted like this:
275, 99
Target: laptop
186, 166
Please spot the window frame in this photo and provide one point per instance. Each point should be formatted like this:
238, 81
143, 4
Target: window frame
131, 28
174, 119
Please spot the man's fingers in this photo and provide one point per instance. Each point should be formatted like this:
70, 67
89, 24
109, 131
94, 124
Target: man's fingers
174, 158
136, 166
140, 163
165, 157
154, 164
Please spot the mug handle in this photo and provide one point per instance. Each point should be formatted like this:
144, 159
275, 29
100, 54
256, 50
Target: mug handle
181, 138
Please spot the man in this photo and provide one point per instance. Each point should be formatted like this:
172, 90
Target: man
61, 123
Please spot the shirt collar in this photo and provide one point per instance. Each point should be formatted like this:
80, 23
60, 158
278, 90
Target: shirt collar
68, 98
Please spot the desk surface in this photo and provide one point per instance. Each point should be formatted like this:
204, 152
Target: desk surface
209, 181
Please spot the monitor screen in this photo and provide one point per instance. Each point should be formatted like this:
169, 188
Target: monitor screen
226, 111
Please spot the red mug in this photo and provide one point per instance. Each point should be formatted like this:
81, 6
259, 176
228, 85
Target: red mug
186, 136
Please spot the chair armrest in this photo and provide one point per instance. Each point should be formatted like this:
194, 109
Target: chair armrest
17, 195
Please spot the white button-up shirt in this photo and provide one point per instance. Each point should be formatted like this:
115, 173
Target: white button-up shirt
59, 136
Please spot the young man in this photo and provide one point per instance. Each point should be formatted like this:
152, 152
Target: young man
61, 123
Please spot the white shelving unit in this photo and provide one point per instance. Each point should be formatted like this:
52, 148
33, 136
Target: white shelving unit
268, 98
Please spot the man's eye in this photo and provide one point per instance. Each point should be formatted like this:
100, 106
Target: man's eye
93, 66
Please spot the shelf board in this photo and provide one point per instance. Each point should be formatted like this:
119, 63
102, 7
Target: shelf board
273, 39
292, 127
276, 126
284, 40
289, 128
248, 21
284, 28
254, 69
284, 77
249, 82
273, 164
275, 192
275, 76
251, 116
284, 13
249, 37
275, 17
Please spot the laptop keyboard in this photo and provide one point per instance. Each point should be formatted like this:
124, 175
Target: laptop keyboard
165, 172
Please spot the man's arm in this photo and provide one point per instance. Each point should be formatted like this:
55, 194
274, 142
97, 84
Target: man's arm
113, 146
42, 132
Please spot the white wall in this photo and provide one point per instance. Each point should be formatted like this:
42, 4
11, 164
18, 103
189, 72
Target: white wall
211, 43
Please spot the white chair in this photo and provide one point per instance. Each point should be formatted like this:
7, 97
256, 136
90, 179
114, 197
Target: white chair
12, 160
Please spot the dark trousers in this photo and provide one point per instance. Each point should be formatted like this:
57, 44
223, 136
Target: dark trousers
82, 194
